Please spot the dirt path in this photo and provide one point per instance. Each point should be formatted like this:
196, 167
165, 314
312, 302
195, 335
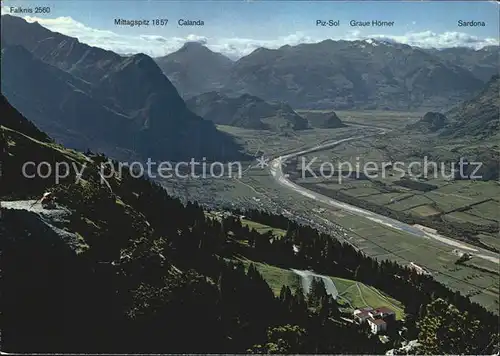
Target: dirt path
361, 295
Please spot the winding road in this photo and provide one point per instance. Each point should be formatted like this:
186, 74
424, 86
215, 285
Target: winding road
277, 173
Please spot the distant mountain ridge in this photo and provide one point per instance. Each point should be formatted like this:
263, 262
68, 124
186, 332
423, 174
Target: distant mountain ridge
246, 111
194, 69
63, 105
478, 117
431, 122
364, 74
323, 120
482, 63
353, 74
86, 97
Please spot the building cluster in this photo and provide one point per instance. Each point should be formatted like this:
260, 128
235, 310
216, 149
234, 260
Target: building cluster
378, 319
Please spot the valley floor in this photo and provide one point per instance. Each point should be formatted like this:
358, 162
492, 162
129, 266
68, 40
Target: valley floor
476, 278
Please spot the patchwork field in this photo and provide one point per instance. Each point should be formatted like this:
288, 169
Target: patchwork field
492, 240
424, 210
487, 210
464, 218
468, 206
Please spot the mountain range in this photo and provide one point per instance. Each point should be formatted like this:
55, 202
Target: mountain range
89, 98
431, 122
126, 106
123, 267
482, 63
194, 69
469, 131
246, 111
478, 117
367, 74
323, 120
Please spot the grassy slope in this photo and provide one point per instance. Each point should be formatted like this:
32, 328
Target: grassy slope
354, 293
261, 228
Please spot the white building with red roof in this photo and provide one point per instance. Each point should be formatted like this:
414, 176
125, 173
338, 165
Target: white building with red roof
377, 325
377, 318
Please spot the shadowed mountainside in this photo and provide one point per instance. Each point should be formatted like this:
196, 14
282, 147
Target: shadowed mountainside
246, 111
86, 97
323, 120
479, 116
194, 69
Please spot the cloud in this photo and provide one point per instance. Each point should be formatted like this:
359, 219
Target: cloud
153, 45
234, 47
429, 39
238, 47
156, 45
195, 38
5, 9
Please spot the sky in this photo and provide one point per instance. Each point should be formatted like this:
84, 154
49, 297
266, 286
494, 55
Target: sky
236, 28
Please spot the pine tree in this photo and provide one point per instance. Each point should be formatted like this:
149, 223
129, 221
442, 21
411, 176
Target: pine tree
317, 292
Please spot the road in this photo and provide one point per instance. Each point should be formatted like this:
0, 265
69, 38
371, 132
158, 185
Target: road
307, 278
277, 173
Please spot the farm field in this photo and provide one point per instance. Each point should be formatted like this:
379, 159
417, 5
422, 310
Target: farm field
385, 243
492, 240
487, 210
424, 210
464, 217
477, 210
462, 203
